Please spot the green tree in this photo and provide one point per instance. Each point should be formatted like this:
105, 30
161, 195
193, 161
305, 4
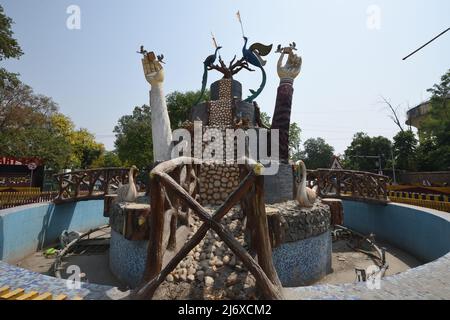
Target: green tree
362, 146
434, 133
294, 141
179, 105
317, 153
107, 160
405, 145
85, 149
133, 143
9, 48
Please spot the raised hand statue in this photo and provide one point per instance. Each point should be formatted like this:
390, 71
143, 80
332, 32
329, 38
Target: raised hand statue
291, 69
161, 130
282, 114
153, 70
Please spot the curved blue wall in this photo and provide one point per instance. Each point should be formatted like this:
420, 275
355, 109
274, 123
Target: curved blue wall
25, 229
422, 232
303, 262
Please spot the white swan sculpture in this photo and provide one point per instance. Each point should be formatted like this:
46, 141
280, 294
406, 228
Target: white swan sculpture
305, 196
128, 192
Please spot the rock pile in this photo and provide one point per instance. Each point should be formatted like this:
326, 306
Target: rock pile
217, 181
211, 270
302, 223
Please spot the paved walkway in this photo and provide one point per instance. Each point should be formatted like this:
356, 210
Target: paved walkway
430, 281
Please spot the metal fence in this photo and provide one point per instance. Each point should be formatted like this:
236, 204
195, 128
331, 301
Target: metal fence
14, 199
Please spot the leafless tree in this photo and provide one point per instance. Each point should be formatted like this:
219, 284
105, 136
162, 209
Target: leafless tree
394, 116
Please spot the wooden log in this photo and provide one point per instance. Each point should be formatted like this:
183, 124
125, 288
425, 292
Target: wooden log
261, 231
248, 206
136, 221
268, 289
276, 230
337, 210
155, 251
147, 288
107, 203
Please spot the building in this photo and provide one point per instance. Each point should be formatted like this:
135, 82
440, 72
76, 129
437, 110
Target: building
417, 114
18, 174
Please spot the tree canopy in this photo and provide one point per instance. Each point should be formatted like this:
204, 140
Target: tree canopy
317, 153
134, 143
179, 105
359, 155
434, 133
9, 47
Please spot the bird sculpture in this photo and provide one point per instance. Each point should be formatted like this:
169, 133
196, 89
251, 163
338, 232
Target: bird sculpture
209, 61
142, 51
305, 196
128, 192
253, 56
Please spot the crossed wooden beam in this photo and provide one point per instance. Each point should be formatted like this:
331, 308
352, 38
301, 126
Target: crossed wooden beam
263, 270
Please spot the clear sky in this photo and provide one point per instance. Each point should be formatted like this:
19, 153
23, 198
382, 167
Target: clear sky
95, 75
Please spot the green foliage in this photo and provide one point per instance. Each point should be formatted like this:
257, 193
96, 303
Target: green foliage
133, 143
294, 136
362, 145
32, 127
294, 141
9, 48
434, 133
85, 149
179, 105
107, 160
317, 153
265, 119
405, 145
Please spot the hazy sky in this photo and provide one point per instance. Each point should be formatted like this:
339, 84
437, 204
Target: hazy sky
95, 74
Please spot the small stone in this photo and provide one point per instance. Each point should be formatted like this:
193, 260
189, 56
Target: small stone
191, 277
169, 278
183, 277
232, 279
191, 270
209, 282
218, 263
226, 259
200, 275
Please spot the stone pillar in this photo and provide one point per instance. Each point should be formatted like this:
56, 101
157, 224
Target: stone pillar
282, 117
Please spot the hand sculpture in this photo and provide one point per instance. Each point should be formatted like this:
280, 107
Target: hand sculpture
291, 69
153, 70
161, 130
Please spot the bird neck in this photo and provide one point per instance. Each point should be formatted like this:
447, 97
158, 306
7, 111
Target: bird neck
215, 53
245, 45
303, 173
130, 177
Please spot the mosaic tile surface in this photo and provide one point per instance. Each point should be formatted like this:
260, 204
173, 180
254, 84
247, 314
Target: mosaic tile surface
16, 277
305, 261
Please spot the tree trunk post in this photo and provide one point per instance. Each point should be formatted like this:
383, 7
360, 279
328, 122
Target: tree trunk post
155, 251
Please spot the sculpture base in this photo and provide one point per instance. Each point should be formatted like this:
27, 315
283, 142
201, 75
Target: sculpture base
279, 187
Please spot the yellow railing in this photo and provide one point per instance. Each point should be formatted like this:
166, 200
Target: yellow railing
6, 293
14, 199
432, 204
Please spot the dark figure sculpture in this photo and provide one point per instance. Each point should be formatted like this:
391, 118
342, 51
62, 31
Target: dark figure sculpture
209, 61
253, 56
